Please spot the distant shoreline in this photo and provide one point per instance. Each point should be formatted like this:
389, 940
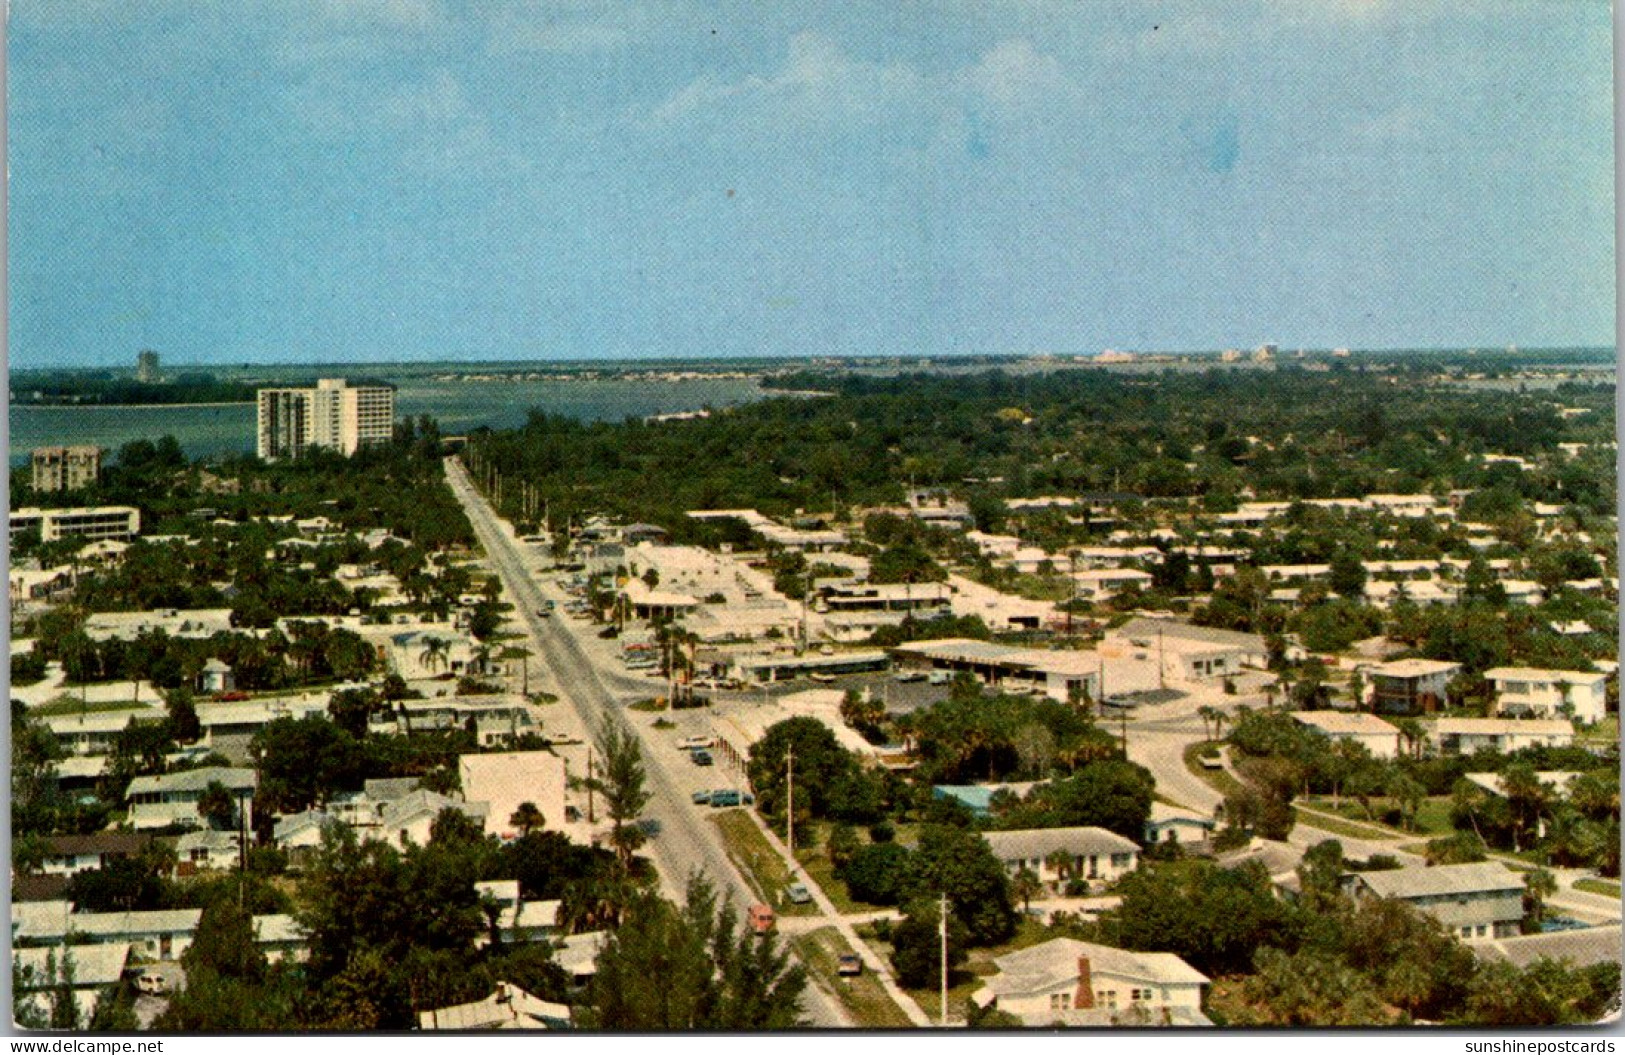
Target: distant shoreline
41, 405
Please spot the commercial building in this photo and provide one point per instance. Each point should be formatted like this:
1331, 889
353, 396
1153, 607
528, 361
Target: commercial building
66, 468
92, 522
1185, 651
1057, 674
507, 780
332, 416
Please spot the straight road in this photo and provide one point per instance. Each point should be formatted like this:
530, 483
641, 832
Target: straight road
683, 843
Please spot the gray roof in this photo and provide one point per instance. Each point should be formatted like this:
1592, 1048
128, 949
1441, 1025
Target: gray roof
385, 788
1162, 813
1478, 878
1041, 842
1055, 962
1582, 948
93, 965
1144, 627
195, 780
424, 801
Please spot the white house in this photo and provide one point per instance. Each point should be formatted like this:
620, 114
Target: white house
1093, 854
94, 969
207, 851
1379, 737
171, 800
1171, 824
1463, 736
1531, 692
71, 854
1079, 983
508, 1007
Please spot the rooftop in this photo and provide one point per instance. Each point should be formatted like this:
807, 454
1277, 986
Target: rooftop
1041, 842
1342, 723
1052, 963
1503, 727
1477, 878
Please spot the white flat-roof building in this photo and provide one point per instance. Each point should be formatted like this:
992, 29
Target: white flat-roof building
507, 779
1463, 736
333, 416
1530, 691
1407, 686
1058, 674
1378, 737
93, 522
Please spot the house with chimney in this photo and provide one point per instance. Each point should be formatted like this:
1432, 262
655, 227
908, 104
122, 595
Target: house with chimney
1077, 983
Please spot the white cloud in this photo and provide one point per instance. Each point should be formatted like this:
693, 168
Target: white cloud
1015, 72
817, 79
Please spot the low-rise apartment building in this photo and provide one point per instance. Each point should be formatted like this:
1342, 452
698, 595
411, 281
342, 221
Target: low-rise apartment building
1474, 901
1532, 692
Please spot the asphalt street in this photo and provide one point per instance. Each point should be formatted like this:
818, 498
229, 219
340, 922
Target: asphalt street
684, 842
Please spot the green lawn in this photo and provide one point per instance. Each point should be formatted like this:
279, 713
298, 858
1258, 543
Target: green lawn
1220, 780
1325, 824
967, 977
1605, 887
1432, 817
864, 997
63, 705
757, 861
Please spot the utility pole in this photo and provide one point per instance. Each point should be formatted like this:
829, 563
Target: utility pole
790, 800
942, 934
590, 818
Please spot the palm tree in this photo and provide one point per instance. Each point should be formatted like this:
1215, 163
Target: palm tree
523, 656
1062, 864
1210, 716
435, 653
527, 818
1026, 885
1537, 887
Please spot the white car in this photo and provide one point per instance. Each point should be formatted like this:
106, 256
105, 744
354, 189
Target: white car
152, 983
692, 743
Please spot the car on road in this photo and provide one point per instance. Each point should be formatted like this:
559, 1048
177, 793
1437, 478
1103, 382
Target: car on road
850, 965
561, 739
798, 893
702, 758
724, 797
909, 675
689, 743
700, 798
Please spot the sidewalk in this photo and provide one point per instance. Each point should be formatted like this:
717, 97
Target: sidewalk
881, 969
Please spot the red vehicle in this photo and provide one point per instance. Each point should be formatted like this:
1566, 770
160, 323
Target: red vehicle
761, 920
229, 697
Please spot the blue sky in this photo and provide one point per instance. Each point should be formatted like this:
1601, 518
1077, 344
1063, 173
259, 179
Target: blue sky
317, 180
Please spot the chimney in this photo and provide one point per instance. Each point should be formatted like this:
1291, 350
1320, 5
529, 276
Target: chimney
1084, 1000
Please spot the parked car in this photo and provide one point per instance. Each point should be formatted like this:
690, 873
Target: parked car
703, 758
939, 677
909, 675
689, 743
850, 965
545, 613
152, 983
700, 798
761, 919
798, 893
823, 679
723, 797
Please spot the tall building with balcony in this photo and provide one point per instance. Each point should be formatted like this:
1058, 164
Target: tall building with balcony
332, 416
66, 468
146, 368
